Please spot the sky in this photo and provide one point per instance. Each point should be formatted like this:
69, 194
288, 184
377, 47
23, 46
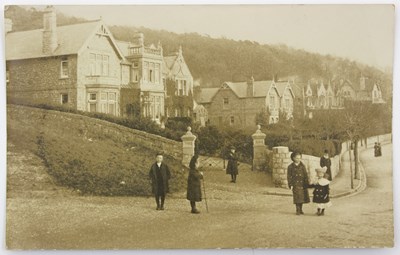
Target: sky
364, 33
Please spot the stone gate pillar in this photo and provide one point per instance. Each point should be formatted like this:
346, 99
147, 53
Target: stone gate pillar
188, 146
259, 149
281, 160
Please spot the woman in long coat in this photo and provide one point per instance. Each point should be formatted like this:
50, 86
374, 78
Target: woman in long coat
194, 184
298, 182
232, 167
325, 161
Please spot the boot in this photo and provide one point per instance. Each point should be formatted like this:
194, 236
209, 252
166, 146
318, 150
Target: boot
298, 209
318, 212
195, 211
322, 212
301, 209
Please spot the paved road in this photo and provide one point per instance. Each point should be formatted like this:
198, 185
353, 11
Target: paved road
240, 216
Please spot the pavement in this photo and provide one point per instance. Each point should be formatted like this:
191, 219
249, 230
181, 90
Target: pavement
340, 185
240, 215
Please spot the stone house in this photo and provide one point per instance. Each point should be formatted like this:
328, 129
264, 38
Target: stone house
76, 65
161, 86
236, 104
334, 93
83, 67
178, 82
146, 89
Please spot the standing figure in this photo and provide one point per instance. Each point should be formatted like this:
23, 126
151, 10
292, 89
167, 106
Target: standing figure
159, 175
232, 167
376, 150
325, 161
379, 150
298, 182
321, 191
194, 184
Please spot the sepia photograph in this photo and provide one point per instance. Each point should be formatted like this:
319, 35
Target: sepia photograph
134, 127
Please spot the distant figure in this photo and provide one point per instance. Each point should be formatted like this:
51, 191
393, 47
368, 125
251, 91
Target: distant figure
194, 185
376, 150
325, 161
321, 191
232, 167
298, 182
379, 150
159, 175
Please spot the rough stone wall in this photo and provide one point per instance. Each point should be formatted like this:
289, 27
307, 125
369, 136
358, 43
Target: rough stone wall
93, 128
39, 80
281, 160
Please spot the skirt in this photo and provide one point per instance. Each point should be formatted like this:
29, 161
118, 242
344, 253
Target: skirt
324, 205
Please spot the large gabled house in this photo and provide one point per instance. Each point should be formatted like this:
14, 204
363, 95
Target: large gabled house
178, 82
83, 67
236, 104
76, 65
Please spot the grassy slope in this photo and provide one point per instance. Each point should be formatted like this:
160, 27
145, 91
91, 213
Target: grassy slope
92, 165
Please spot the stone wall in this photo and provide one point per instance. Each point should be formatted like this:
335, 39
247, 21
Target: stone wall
281, 160
93, 128
39, 80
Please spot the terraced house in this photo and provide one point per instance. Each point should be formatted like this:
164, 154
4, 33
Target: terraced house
82, 66
334, 93
237, 104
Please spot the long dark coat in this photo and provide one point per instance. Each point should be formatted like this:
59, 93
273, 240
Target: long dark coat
320, 193
232, 167
376, 150
326, 162
194, 185
155, 184
298, 179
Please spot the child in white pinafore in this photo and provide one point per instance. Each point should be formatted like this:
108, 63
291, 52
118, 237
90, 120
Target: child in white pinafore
321, 191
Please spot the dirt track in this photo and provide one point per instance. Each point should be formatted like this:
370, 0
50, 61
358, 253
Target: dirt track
44, 216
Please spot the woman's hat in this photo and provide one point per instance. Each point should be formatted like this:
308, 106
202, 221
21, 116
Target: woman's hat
321, 169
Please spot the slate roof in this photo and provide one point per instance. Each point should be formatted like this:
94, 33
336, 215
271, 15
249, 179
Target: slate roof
123, 47
28, 44
261, 88
206, 95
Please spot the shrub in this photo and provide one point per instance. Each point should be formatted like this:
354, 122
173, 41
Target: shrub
314, 147
143, 124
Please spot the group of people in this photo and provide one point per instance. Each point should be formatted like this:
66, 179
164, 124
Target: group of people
160, 174
377, 150
298, 182
297, 178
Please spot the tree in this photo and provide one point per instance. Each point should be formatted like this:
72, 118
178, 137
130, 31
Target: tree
359, 121
262, 118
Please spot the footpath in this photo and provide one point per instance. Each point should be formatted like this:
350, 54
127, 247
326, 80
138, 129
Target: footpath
341, 184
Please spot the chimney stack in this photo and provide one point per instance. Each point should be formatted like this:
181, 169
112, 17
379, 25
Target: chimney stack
250, 87
138, 39
49, 30
7, 25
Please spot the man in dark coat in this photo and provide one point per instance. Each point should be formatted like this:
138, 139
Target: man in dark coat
325, 161
376, 150
232, 167
194, 185
159, 175
298, 182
